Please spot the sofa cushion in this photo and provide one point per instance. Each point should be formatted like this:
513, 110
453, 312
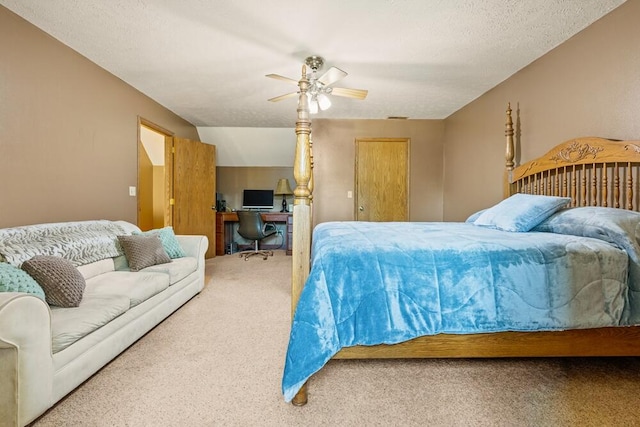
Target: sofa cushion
143, 251
12, 279
61, 281
95, 310
137, 286
177, 269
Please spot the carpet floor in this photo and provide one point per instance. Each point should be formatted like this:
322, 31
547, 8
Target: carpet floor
218, 361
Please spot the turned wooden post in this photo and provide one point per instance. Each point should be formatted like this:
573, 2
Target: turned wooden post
629, 187
509, 153
301, 245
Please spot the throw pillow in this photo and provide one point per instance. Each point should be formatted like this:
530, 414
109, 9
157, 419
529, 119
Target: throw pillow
169, 241
62, 282
12, 279
143, 251
521, 212
472, 218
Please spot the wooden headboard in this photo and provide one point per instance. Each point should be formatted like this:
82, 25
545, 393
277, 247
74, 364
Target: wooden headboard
592, 171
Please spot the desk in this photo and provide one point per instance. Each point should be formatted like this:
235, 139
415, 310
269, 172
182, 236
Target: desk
224, 221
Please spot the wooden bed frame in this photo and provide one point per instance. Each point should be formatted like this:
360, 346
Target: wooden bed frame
592, 171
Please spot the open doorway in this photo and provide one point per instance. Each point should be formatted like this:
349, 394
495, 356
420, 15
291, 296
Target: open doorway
176, 183
154, 177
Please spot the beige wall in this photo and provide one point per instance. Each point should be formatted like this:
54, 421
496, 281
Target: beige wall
68, 131
588, 86
334, 161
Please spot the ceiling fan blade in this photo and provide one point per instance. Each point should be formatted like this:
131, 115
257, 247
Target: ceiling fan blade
332, 75
283, 78
281, 97
349, 93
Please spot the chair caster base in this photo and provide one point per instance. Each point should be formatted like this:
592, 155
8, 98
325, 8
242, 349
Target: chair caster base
248, 254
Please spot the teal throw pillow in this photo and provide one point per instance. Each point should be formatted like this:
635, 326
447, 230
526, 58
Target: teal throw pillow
13, 279
169, 241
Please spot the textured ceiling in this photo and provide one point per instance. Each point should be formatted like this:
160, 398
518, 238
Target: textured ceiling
206, 60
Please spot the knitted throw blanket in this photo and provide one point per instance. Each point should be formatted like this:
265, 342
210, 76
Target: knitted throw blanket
81, 242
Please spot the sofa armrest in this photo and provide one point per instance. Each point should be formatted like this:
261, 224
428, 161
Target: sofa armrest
26, 362
194, 246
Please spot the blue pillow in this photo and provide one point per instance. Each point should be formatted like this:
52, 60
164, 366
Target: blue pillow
475, 216
521, 212
169, 242
616, 226
14, 279
619, 227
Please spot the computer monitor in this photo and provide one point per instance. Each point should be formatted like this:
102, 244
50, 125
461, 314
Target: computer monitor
257, 199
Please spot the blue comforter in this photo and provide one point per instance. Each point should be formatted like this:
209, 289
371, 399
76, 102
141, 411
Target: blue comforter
375, 283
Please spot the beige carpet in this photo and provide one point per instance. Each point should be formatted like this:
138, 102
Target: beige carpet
218, 362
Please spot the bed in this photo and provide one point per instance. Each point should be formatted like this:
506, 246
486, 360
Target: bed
560, 277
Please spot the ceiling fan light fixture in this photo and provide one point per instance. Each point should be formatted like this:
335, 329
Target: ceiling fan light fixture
319, 88
323, 101
313, 105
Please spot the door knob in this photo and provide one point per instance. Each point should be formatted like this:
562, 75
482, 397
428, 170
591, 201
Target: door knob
361, 208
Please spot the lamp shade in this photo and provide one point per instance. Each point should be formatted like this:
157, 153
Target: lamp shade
283, 187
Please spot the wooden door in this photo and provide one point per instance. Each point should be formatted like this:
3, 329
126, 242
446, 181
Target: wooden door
194, 190
382, 179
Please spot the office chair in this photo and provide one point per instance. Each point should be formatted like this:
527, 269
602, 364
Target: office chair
251, 227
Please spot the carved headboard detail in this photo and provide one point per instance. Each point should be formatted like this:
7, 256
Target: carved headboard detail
592, 171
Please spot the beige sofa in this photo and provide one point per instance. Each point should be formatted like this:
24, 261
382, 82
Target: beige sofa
47, 351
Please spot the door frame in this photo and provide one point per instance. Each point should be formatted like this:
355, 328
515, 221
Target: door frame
168, 168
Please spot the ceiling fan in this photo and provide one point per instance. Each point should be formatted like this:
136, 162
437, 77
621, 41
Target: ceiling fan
320, 87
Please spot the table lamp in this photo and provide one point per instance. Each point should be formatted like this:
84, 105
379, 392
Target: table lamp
283, 189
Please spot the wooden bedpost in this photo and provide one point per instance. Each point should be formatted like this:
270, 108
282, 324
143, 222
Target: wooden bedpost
302, 173
509, 153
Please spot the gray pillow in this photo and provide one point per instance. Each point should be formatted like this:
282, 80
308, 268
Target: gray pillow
169, 241
143, 251
62, 282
